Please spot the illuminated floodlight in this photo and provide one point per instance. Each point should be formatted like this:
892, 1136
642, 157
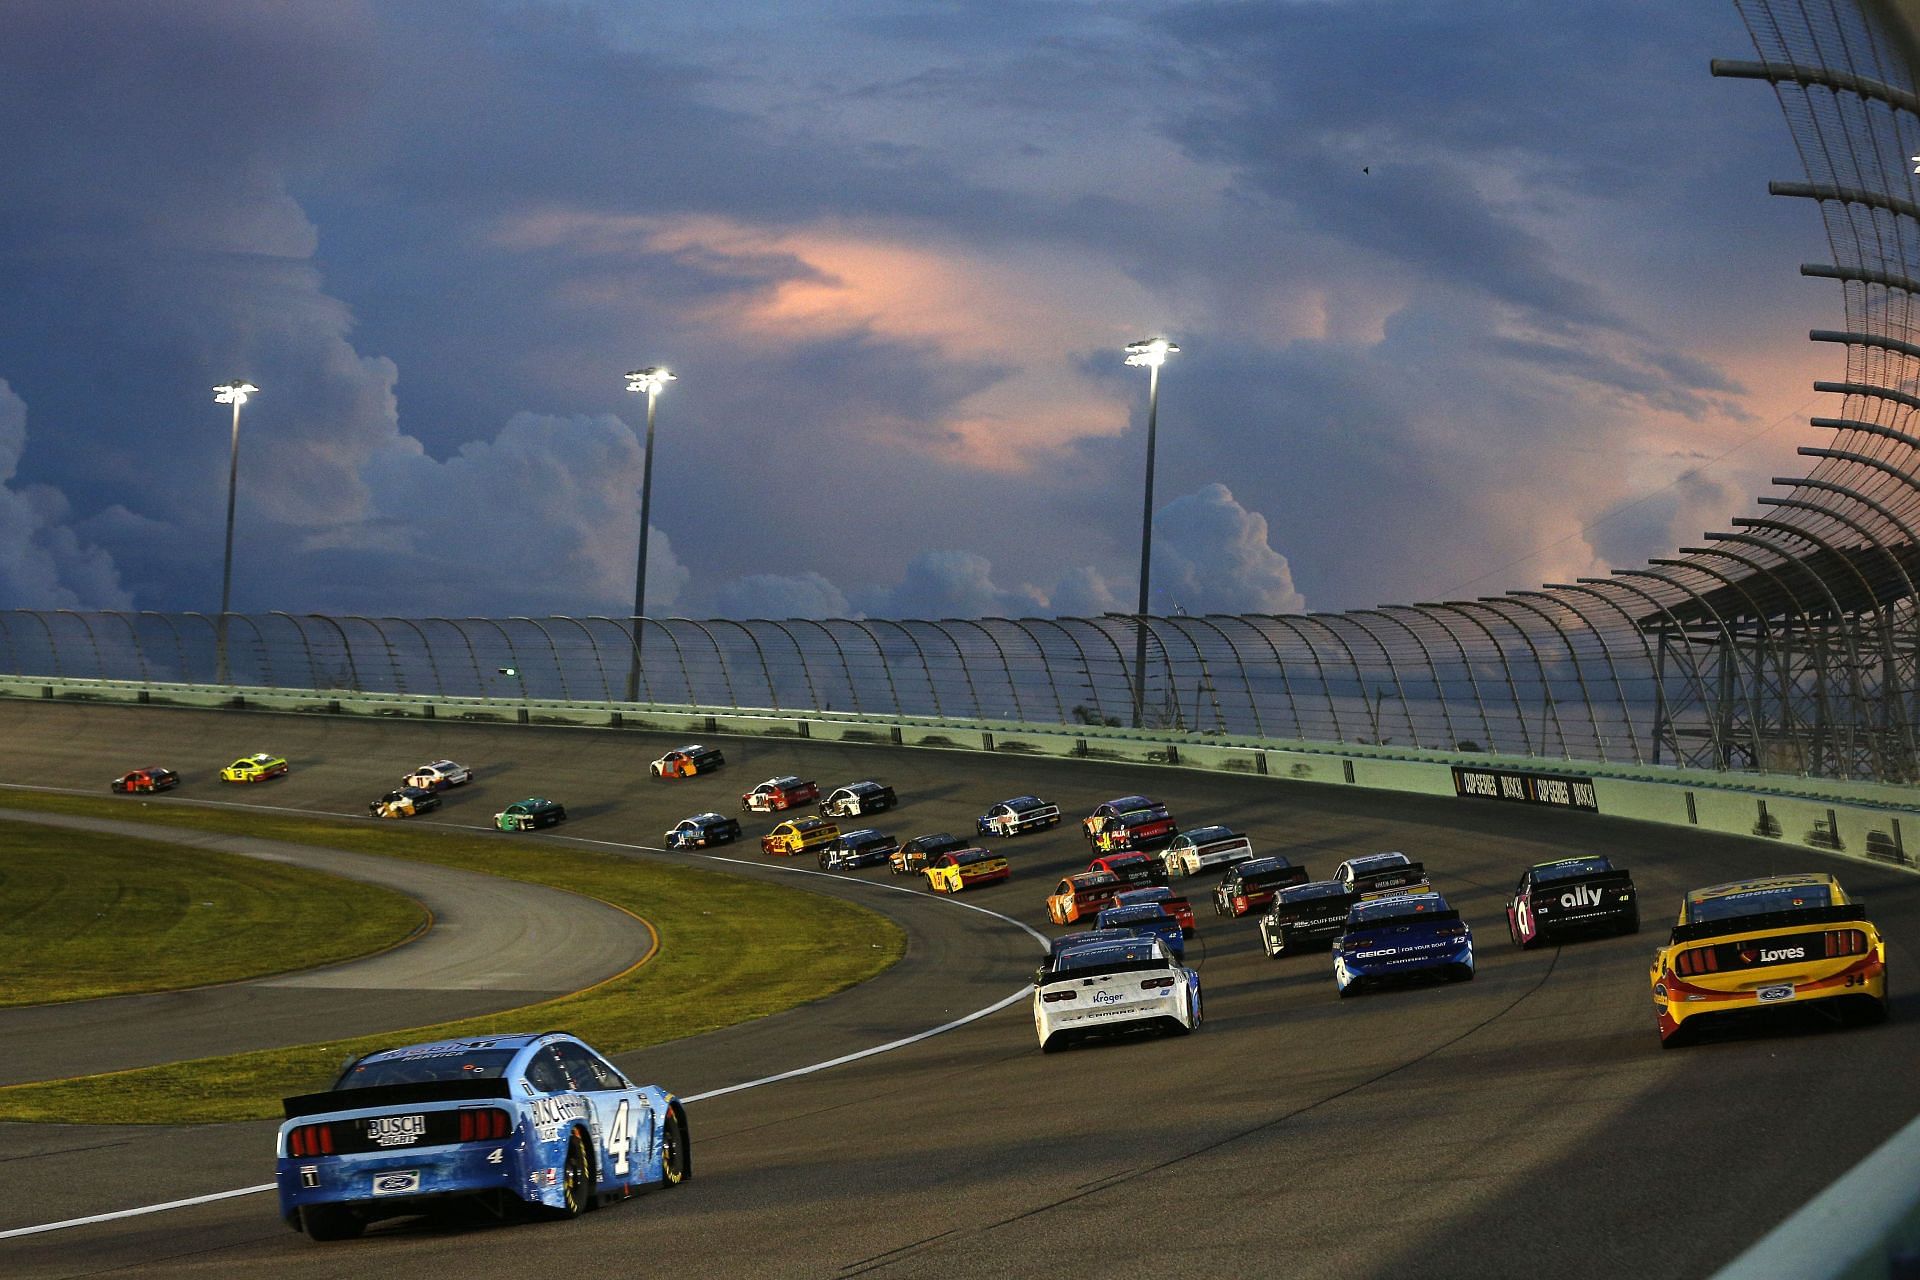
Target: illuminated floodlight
1149, 353
648, 382
233, 393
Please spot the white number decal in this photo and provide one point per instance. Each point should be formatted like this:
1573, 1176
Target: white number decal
620, 1139
496, 1155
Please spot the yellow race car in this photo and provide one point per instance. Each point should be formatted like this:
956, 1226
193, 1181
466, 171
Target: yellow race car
1755, 945
257, 767
965, 868
800, 835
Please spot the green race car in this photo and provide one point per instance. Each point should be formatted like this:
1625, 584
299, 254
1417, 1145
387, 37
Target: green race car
530, 815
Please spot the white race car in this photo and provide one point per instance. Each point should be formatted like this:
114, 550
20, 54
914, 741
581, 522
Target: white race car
1111, 988
439, 775
1203, 849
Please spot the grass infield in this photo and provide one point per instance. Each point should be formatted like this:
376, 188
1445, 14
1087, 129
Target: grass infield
731, 950
85, 915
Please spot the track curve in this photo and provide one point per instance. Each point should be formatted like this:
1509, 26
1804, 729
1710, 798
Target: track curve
1526, 1121
493, 945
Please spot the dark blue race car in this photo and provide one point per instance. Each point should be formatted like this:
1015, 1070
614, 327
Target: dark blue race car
1391, 940
863, 848
526, 1122
1149, 920
1087, 938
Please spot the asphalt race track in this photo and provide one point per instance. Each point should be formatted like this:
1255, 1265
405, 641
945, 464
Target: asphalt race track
1525, 1122
494, 944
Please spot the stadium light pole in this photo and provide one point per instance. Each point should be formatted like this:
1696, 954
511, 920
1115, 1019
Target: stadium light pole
1150, 353
234, 393
646, 382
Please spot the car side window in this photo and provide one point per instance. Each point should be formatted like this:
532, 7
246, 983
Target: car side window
1524, 877
586, 1071
544, 1073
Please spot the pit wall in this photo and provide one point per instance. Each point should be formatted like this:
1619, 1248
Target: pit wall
1870, 821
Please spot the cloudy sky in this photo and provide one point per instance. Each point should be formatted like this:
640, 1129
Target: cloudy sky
1472, 296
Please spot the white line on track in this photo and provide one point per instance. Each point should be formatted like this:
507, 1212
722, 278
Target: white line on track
796, 1072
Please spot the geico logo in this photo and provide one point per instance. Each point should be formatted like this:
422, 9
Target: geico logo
1377, 955
1584, 896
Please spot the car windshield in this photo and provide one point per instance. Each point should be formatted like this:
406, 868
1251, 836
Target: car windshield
1108, 957
1759, 901
1137, 914
784, 783
1207, 835
1158, 893
424, 1063
1307, 892
1378, 862
967, 857
1396, 908
1571, 869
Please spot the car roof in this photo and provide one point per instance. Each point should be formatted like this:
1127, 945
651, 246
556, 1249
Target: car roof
863, 785
1208, 833
1022, 802
513, 1040
1394, 859
1313, 889
865, 833
1805, 880
1135, 911
1255, 866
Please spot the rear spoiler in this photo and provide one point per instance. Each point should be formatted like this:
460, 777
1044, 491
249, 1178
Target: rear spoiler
1618, 875
1768, 920
393, 1095
1367, 879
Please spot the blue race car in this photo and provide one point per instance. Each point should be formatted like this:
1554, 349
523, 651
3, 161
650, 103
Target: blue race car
1149, 920
526, 1122
1399, 939
1086, 938
704, 830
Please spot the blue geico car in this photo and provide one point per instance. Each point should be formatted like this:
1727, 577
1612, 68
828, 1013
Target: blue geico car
1149, 920
538, 1122
1398, 939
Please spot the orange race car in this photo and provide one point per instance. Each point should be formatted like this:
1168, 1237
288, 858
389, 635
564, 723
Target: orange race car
685, 762
1078, 897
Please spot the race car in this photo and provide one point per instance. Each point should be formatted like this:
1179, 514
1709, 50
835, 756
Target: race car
439, 775
1572, 895
1131, 822
1112, 988
684, 762
257, 767
1376, 875
1204, 848
1251, 885
862, 848
857, 799
1137, 869
1086, 938
151, 778
966, 869
1401, 939
1148, 919
1754, 946
1176, 904
1079, 896
703, 830
407, 802
800, 835
536, 1123
780, 793
1022, 813
916, 853
1306, 915
530, 815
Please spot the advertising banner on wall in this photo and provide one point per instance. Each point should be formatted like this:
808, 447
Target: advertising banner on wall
1528, 788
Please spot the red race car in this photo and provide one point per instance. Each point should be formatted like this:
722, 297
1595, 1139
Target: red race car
152, 778
780, 793
1177, 906
1136, 869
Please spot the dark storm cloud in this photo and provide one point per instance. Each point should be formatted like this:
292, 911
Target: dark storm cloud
893, 256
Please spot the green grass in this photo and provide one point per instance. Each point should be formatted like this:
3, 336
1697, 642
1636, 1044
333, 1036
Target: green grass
83, 914
730, 950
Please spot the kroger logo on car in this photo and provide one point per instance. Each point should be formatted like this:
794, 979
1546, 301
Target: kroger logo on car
1106, 997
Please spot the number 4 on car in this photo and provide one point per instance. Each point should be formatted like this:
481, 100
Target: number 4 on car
527, 1124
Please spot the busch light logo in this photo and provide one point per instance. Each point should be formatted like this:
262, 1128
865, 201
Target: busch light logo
396, 1131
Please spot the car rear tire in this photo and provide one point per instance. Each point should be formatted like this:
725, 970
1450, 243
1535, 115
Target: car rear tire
576, 1180
325, 1222
676, 1156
